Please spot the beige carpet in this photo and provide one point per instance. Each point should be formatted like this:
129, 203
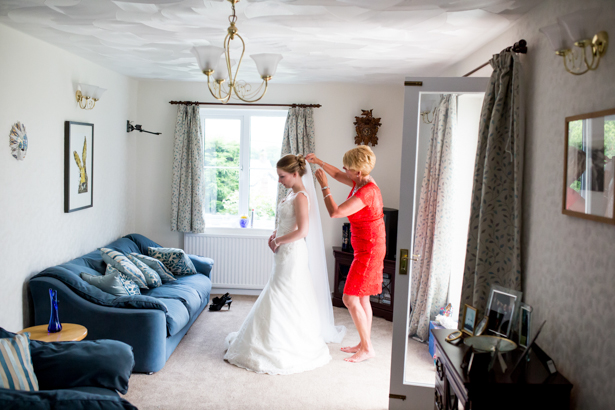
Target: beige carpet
197, 377
419, 363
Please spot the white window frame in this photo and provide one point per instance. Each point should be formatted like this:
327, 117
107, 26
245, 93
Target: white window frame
244, 115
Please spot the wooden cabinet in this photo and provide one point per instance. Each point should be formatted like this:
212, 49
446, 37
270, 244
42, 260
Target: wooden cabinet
382, 305
529, 387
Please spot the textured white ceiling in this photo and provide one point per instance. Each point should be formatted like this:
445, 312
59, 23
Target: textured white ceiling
368, 41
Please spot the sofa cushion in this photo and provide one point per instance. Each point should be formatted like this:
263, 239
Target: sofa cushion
120, 262
100, 363
175, 259
141, 242
162, 271
60, 400
97, 296
178, 291
177, 315
16, 370
112, 282
200, 283
151, 277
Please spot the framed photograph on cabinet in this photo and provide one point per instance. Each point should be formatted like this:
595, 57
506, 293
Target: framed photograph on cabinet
502, 307
469, 320
525, 324
78, 166
589, 166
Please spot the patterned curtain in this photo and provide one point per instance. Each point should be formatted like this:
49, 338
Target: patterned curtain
298, 137
432, 241
187, 190
493, 255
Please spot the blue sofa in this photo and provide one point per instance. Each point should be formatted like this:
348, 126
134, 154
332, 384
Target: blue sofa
153, 323
75, 375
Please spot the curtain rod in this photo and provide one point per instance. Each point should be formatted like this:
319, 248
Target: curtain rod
519, 47
251, 105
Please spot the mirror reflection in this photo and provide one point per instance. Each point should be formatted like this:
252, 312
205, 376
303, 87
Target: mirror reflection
446, 149
589, 166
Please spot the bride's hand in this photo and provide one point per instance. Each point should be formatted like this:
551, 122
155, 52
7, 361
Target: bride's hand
321, 177
272, 245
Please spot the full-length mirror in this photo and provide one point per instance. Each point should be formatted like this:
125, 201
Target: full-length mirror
589, 166
446, 150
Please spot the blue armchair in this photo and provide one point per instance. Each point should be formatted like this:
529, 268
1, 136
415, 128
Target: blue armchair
153, 323
75, 375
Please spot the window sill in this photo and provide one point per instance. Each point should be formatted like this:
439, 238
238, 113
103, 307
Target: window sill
235, 232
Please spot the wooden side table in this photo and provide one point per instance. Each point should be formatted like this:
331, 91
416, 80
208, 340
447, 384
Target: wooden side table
70, 333
382, 305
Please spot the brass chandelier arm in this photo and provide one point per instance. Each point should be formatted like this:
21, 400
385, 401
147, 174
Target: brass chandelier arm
258, 99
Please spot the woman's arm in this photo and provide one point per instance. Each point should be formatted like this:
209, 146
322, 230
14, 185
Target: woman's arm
335, 173
348, 207
301, 212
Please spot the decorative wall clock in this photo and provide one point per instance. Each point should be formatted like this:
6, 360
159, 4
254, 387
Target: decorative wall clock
18, 141
367, 128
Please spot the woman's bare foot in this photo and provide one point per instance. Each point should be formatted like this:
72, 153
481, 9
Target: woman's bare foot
361, 355
351, 349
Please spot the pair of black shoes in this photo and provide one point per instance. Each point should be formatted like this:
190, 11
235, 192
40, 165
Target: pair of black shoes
218, 303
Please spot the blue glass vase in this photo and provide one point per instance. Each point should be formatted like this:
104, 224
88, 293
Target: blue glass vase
54, 320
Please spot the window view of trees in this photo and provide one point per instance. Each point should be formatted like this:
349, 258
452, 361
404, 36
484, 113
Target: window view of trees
233, 188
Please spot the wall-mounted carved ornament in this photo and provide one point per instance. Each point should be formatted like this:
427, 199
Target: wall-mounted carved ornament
367, 128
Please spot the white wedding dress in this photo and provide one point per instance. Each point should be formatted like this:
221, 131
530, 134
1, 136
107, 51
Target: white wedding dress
290, 324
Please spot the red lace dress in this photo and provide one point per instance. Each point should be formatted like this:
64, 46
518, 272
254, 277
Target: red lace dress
368, 238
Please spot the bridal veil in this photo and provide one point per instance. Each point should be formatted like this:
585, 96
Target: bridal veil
318, 266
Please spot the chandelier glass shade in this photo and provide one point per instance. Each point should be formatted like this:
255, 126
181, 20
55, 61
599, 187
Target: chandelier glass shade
217, 65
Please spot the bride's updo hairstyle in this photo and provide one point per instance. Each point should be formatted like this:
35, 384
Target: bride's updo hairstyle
292, 163
361, 159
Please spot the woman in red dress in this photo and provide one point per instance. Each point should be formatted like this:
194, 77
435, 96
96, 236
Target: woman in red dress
363, 207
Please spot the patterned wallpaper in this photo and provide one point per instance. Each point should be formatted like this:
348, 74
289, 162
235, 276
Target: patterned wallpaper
569, 263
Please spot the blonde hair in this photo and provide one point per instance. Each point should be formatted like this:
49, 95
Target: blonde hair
292, 163
361, 158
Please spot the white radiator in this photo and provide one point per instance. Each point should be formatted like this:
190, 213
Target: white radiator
240, 262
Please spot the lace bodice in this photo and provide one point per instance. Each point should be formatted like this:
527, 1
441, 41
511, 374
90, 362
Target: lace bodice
287, 221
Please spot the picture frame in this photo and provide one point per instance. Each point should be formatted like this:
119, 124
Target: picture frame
502, 310
78, 166
589, 173
469, 320
481, 326
525, 324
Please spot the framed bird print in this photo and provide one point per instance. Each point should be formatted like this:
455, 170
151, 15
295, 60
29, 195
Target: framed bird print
78, 166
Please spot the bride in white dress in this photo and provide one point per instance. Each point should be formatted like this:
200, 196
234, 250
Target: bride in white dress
290, 324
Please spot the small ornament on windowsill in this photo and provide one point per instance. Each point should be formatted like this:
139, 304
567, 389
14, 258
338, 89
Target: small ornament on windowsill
367, 128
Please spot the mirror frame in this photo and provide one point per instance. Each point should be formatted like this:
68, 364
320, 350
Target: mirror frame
568, 212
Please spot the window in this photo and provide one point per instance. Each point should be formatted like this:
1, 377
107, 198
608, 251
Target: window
241, 150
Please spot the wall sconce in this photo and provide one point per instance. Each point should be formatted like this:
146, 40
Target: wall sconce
88, 95
578, 28
426, 109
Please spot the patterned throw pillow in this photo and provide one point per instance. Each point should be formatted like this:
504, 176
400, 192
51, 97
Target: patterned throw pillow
120, 262
157, 266
151, 277
175, 259
130, 286
16, 370
112, 282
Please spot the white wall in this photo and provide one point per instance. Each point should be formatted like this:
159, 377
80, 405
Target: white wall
334, 136
568, 263
38, 84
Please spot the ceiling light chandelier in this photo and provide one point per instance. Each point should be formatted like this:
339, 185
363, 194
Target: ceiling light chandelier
214, 65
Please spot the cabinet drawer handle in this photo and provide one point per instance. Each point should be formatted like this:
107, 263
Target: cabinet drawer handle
439, 369
438, 399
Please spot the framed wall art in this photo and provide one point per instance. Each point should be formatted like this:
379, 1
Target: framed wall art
589, 166
78, 166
